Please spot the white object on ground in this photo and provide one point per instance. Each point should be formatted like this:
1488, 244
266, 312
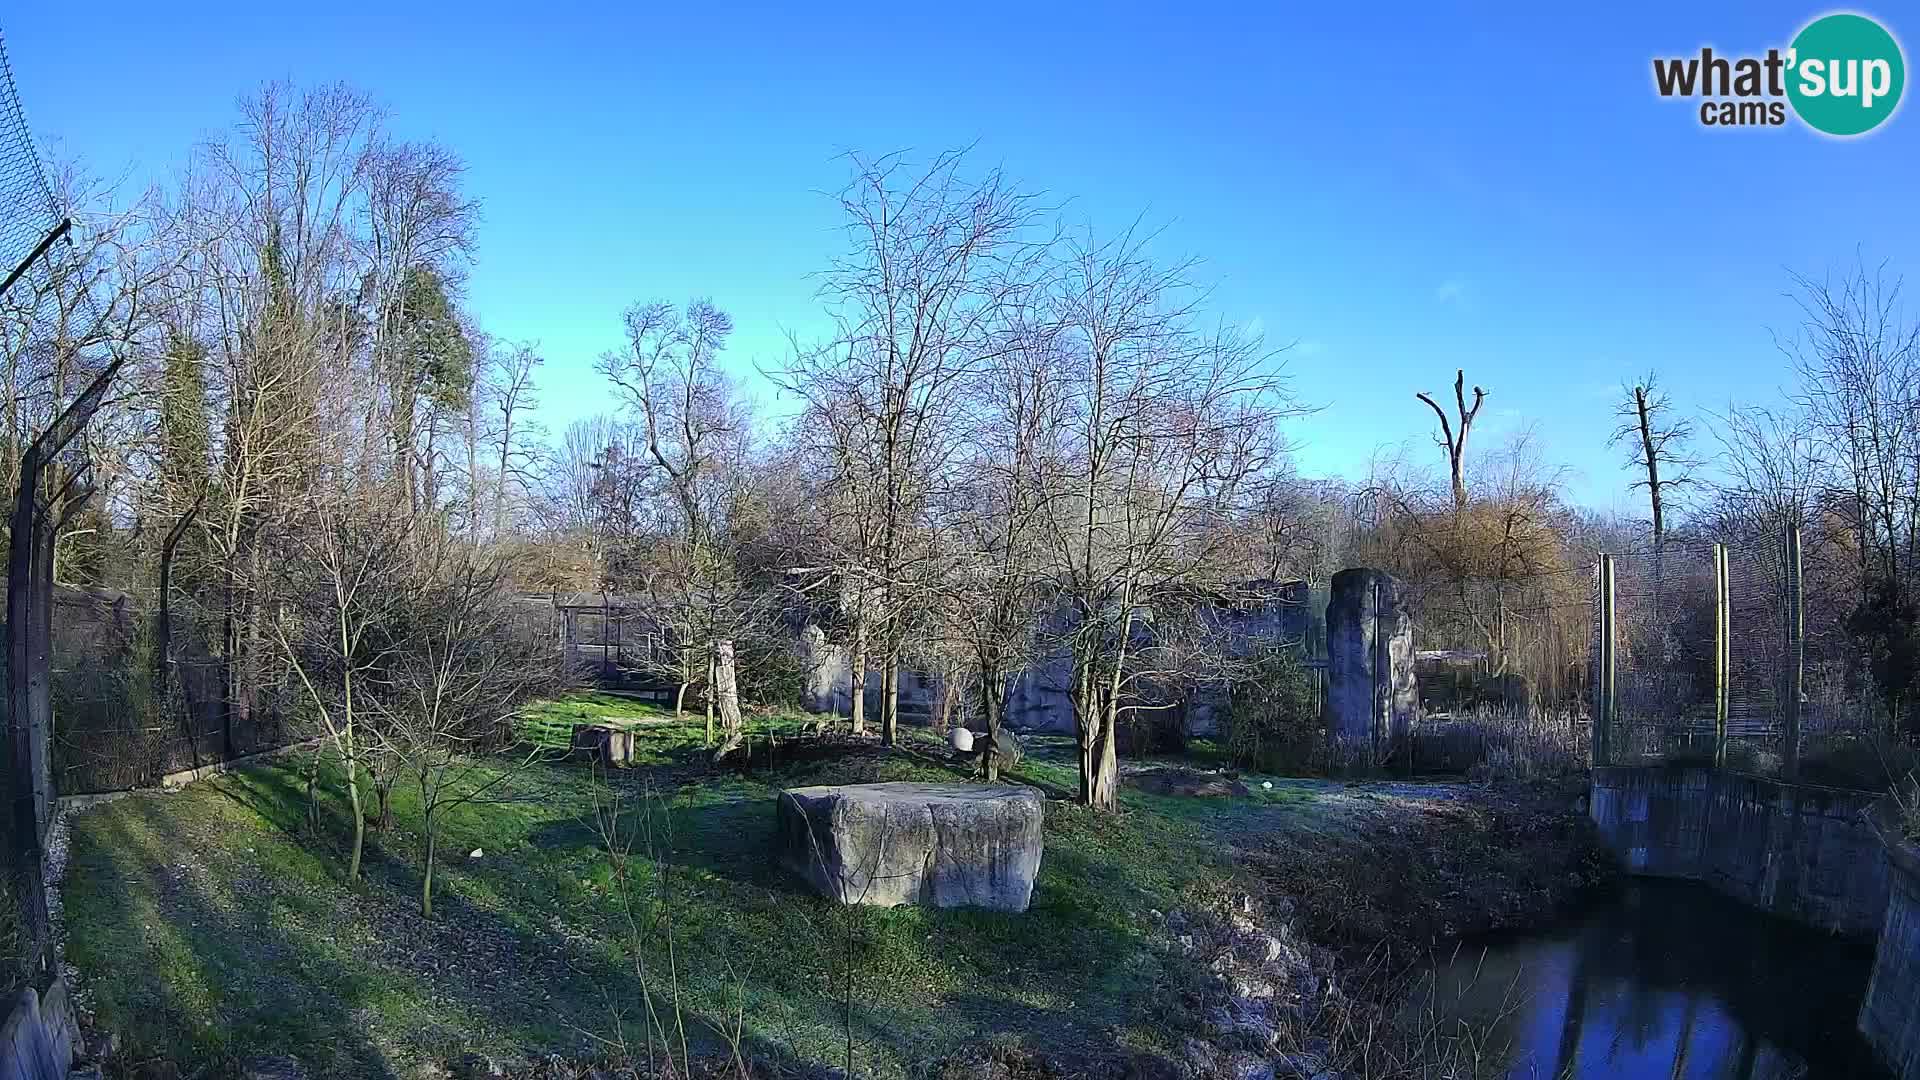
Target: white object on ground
962, 740
1268, 784
475, 853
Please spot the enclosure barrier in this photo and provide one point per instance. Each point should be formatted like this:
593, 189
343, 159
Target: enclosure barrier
1700, 655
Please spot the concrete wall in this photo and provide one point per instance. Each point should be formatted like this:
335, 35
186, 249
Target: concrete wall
1371, 694
1890, 1015
829, 682
1800, 852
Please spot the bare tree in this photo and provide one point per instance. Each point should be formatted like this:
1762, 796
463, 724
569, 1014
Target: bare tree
1657, 445
998, 594
1453, 445
932, 258
1164, 427
1858, 361
694, 431
458, 666
510, 432
341, 567
1772, 463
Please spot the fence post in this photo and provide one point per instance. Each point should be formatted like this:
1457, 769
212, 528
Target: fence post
1721, 654
1796, 651
1603, 677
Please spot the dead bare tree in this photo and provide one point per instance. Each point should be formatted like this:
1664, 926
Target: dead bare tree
1657, 445
1452, 444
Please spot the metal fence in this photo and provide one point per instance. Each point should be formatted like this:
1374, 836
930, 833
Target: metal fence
1700, 653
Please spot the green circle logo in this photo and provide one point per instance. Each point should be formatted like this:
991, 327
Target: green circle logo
1845, 74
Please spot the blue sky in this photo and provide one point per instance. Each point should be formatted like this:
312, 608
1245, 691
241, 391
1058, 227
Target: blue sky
1400, 189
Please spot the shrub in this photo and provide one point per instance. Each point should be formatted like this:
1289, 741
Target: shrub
1907, 795
1865, 762
1271, 723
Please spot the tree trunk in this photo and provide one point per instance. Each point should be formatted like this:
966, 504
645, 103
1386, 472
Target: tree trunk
857, 676
726, 692
890, 701
949, 697
163, 630
231, 702
679, 700
426, 871
1086, 721
712, 686
1652, 456
313, 791
1106, 779
1097, 715
359, 815
993, 698
383, 798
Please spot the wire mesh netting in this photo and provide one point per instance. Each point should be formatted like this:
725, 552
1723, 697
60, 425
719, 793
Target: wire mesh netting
49, 318
1706, 638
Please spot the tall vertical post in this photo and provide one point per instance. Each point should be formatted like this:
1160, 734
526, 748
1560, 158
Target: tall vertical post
1796, 652
1604, 669
1721, 653
1378, 722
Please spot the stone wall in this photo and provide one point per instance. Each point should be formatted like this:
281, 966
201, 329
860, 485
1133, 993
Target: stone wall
1890, 1015
1371, 695
829, 682
1801, 852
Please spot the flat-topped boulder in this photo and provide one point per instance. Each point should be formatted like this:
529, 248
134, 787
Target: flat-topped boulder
941, 845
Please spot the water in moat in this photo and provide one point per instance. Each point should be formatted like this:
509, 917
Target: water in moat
1669, 980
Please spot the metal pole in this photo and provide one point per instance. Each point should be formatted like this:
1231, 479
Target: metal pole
1796, 651
1721, 627
39, 249
1603, 684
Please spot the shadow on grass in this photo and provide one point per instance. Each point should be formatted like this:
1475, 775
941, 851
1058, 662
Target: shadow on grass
186, 977
271, 953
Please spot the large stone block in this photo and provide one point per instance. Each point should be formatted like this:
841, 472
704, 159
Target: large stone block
1371, 697
942, 845
603, 744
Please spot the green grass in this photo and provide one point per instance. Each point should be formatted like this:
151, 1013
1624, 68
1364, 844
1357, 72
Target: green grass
210, 926
550, 724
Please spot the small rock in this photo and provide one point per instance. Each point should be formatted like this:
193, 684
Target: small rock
1264, 948
475, 853
1249, 1067
1267, 784
1302, 1064
1200, 1056
273, 1068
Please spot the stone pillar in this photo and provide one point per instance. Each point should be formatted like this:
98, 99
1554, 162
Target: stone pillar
1370, 690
